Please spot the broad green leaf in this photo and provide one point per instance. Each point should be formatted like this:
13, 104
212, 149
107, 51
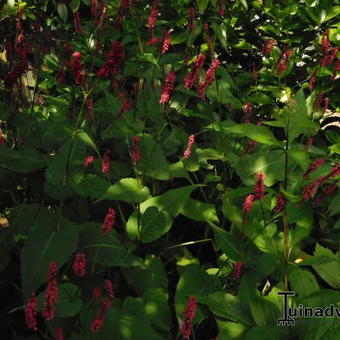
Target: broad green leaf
330, 271
148, 274
265, 332
153, 224
74, 5
194, 281
105, 249
199, 211
82, 135
202, 5
259, 134
128, 190
92, 186
62, 11
226, 306
272, 164
302, 281
331, 13
48, 235
229, 330
153, 162
69, 301
227, 242
156, 308
23, 161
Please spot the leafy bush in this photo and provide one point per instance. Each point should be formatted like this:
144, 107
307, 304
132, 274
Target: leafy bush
167, 167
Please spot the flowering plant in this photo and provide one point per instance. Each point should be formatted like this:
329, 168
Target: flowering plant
167, 167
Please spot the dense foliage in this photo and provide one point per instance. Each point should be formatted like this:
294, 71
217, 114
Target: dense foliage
167, 167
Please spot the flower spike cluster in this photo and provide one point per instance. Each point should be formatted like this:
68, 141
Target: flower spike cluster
189, 315
51, 294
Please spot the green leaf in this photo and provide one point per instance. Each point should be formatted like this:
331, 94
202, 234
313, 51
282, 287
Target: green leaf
228, 243
105, 249
128, 190
49, 234
202, 5
330, 271
92, 185
153, 223
156, 309
23, 161
260, 134
226, 306
229, 330
272, 164
153, 162
82, 135
265, 332
331, 13
62, 11
199, 211
302, 281
74, 5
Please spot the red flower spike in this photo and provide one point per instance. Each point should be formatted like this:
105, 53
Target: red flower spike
335, 171
310, 189
167, 87
109, 221
109, 289
97, 293
79, 265
192, 77
114, 60
259, 186
31, 313
326, 44
106, 162
281, 201
19, 22
268, 46
152, 41
187, 151
247, 206
59, 334
283, 61
237, 270
153, 15
76, 21
77, 68
316, 164
99, 320
166, 41
135, 153
191, 18
89, 160
312, 80
209, 78
51, 294
189, 315
327, 192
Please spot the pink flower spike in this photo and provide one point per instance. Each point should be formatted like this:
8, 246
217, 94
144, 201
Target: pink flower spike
31, 313
108, 221
51, 294
281, 200
109, 289
187, 151
168, 87
89, 160
237, 270
79, 265
106, 162
59, 334
97, 293
166, 41
247, 206
316, 164
99, 320
189, 315
259, 186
